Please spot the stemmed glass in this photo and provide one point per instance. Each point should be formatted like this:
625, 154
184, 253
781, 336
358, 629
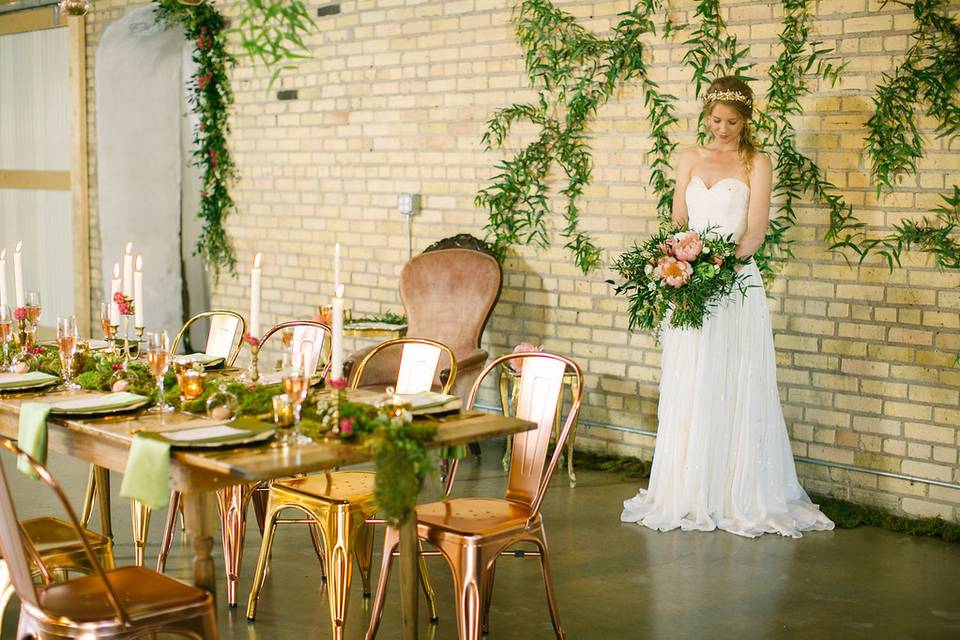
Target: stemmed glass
6, 331
67, 343
295, 382
158, 359
105, 325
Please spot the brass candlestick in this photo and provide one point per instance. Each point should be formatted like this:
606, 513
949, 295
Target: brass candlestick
139, 332
22, 333
112, 337
126, 341
253, 373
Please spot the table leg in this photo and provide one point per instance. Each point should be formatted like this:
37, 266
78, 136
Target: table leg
408, 578
199, 516
103, 499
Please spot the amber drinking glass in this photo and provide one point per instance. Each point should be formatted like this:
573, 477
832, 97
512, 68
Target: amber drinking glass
158, 359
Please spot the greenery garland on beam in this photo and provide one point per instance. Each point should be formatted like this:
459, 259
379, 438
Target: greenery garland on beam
929, 78
577, 73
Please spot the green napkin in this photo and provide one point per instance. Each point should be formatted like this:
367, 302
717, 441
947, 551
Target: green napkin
18, 380
147, 476
95, 402
32, 437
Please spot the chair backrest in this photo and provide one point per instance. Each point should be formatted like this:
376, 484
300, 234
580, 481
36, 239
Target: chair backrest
17, 549
225, 337
449, 294
308, 337
418, 364
541, 383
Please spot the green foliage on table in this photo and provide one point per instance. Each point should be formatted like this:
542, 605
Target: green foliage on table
251, 399
400, 454
272, 31
105, 369
387, 317
575, 73
398, 445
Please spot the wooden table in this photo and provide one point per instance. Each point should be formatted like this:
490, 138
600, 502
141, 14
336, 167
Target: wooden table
197, 473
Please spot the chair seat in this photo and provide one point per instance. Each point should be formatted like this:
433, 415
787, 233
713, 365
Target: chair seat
50, 533
141, 593
341, 486
471, 517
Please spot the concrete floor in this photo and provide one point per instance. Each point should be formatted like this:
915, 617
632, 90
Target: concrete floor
612, 580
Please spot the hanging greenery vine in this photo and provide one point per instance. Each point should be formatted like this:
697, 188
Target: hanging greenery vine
576, 73
928, 80
210, 96
271, 33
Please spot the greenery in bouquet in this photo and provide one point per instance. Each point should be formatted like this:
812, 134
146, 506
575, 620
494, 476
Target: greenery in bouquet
681, 272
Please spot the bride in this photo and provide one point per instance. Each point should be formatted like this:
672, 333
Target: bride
723, 459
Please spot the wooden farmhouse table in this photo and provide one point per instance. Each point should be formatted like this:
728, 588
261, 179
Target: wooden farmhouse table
197, 473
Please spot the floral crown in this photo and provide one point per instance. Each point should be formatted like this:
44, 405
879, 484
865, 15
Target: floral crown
728, 96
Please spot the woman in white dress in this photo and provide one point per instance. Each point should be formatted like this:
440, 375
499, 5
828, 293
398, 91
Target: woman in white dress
723, 458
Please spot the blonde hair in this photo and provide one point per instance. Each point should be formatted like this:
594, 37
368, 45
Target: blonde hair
734, 93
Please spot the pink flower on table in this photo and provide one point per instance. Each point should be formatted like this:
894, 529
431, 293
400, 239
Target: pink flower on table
251, 339
686, 246
673, 272
20, 313
523, 347
346, 427
337, 383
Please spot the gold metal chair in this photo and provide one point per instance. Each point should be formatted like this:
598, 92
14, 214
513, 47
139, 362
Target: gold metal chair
233, 501
225, 337
341, 504
129, 602
471, 533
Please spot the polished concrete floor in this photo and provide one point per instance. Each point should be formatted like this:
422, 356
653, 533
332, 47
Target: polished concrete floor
612, 580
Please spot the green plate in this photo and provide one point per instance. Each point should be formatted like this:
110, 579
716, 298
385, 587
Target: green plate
78, 407
31, 381
246, 430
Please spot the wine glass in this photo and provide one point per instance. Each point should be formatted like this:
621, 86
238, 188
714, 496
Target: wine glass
295, 381
67, 343
6, 331
31, 300
158, 359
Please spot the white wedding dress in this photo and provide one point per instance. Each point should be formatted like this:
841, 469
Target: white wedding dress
723, 458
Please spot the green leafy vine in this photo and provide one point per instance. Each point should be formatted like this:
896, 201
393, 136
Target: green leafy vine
272, 31
928, 78
211, 97
576, 72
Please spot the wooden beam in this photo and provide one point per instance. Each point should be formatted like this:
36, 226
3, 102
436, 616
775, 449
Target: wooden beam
79, 178
31, 20
28, 179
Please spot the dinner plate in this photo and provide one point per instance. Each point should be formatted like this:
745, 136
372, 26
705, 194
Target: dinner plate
84, 406
33, 382
207, 361
241, 431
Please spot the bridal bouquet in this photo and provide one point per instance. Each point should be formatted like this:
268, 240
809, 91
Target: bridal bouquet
681, 271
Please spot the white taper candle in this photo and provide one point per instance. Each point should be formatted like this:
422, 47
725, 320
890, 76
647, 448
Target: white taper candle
18, 274
138, 293
255, 297
336, 365
114, 290
128, 271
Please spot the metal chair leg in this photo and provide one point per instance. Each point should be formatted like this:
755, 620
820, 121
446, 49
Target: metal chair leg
233, 501
427, 587
87, 510
103, 500
364, 555
166, 542
140, 515
391, 538
266, 544
541, 543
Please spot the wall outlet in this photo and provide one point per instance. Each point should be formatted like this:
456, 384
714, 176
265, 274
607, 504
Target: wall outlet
408, 203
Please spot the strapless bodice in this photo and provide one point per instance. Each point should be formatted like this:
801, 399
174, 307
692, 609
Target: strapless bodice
724, 206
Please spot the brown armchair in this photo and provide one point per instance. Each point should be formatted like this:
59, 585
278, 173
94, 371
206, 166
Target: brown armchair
448, 293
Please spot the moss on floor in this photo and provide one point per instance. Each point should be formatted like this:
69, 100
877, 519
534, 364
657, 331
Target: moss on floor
846, 515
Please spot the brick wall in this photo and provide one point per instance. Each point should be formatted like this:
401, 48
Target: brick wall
395, 99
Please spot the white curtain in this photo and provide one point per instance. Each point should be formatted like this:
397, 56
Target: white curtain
35, 135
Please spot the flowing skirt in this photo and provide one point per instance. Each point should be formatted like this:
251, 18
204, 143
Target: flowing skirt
723, 458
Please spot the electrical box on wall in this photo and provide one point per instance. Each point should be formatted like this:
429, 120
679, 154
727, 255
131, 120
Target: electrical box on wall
408, 203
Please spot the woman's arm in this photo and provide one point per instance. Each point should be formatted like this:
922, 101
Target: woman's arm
681, 176
758, 213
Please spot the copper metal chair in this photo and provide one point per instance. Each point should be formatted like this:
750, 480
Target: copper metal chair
341, 504
233, 500
60, 550
471, 533
129, 602
224, 339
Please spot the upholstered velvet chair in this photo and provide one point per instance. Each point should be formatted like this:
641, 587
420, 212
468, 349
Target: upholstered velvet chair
448, 295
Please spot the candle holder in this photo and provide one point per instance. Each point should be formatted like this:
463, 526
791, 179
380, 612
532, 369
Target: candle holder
112, 338
139, 332
126, 341
252, 374
22, 334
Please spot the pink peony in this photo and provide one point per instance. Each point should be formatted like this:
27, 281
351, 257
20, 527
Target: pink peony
686, 246
337, 383
251, 339
346, 427
20, 313
523, 347
673, 272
